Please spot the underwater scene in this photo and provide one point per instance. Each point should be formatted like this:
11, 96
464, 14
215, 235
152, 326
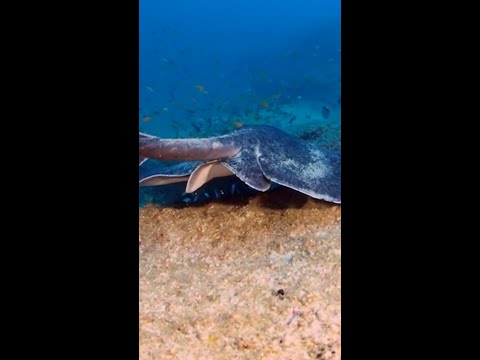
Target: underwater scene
208, 68
239, 179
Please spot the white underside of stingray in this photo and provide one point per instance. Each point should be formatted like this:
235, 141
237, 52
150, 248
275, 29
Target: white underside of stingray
201, 175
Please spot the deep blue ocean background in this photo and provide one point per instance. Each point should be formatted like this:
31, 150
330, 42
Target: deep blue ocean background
209, 67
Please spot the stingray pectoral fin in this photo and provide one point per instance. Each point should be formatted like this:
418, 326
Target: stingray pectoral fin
154, 173
141, 160
205, 173
312, 172
156, 180
145, 136
247, 169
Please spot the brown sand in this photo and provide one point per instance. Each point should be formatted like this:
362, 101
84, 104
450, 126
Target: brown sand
258, 278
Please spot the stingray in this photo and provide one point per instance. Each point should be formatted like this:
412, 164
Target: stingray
258, 155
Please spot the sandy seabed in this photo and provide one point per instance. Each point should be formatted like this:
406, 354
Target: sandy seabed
249, 278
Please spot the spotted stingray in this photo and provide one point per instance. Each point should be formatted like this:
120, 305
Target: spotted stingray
257, 155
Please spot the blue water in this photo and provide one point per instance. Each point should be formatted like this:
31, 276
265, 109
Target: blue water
209, 66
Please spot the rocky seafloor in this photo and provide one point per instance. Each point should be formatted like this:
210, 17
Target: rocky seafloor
245, 278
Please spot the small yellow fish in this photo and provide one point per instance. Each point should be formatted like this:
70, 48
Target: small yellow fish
200, 88
264, 104
147, 118
237, 124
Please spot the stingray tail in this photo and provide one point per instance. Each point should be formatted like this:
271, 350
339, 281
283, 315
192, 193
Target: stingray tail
195, 149
142, 159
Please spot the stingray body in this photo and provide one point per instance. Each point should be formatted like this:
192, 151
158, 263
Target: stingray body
257, 155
